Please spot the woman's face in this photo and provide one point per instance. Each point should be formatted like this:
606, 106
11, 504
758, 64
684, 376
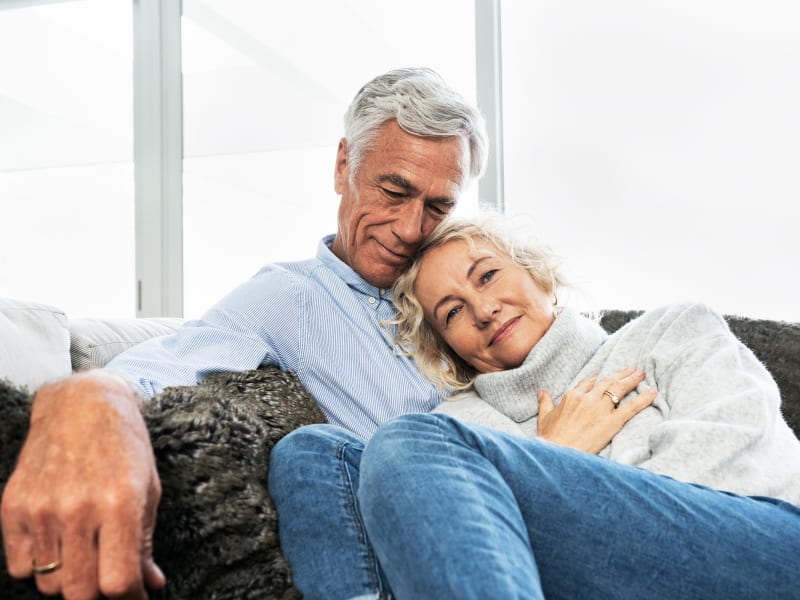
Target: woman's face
485, 306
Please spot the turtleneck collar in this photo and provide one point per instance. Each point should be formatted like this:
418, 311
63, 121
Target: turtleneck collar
551, 365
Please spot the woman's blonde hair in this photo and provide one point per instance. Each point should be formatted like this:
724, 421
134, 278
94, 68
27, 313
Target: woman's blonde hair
434, 358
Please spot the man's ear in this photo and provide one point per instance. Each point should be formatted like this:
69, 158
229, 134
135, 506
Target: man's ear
341, 174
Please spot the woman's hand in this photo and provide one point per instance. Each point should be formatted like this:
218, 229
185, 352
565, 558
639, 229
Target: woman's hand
590, 415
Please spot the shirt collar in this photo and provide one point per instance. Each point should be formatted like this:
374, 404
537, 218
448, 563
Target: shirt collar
347, 274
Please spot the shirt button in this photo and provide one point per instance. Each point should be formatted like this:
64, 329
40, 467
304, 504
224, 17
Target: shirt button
371, 300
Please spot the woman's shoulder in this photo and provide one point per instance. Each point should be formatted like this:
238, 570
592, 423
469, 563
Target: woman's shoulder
686, 313
681, 322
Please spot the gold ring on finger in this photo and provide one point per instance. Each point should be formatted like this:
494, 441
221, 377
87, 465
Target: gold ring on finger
45, 569
613, 397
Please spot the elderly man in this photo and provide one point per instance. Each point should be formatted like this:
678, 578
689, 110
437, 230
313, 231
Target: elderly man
79, 511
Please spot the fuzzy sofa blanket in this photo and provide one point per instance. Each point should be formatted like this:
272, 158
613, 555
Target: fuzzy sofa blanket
216, 534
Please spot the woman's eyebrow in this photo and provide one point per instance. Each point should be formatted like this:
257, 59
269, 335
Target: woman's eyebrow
475, 264
449, 297
439, 305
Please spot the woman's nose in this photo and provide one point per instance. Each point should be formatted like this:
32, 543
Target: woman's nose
485, 310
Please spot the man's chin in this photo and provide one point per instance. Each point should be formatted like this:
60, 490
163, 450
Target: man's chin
383, 277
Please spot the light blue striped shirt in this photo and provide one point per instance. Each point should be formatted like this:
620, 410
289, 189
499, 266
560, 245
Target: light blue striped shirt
317, 318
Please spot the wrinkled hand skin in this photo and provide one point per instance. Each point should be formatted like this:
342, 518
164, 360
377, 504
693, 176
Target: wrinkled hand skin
85, 491
585, 419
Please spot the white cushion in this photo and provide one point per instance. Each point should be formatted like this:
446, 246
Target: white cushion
97, 341
34, 343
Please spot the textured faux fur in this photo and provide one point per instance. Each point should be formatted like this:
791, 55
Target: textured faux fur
14, 417
216, 534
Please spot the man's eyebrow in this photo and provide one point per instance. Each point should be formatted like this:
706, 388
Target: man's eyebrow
404, 183
397, 180
449, 297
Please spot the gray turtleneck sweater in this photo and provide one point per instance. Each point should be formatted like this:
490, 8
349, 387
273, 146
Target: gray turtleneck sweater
716, 420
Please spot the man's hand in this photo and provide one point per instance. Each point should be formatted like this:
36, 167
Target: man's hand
587, 418
79, 511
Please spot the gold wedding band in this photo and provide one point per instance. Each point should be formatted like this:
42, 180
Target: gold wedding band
612, 396
46, 569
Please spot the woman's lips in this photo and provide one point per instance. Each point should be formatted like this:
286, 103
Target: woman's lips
504, 330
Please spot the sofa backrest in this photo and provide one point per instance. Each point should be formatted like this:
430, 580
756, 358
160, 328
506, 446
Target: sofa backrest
38, 343
94, 342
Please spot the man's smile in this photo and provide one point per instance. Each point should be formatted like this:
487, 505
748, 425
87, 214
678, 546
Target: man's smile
400, 257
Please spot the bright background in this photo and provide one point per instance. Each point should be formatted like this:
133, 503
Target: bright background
654, 145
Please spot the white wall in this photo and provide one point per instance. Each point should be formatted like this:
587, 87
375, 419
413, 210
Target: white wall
656, 145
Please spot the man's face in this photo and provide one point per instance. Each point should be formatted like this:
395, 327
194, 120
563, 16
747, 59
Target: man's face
405, 185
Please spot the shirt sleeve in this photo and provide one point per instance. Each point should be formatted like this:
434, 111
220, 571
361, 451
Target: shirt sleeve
257, 323
722, 406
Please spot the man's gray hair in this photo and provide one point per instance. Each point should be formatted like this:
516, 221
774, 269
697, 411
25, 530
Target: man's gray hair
422, 104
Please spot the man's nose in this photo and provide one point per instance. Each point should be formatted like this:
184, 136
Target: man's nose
408, 226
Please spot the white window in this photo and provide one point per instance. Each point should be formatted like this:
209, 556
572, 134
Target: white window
66, 156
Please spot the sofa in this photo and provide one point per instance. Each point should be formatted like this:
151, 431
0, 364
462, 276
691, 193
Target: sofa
216, 532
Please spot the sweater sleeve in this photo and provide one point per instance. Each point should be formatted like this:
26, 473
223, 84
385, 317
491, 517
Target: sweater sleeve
723, 421
469, 407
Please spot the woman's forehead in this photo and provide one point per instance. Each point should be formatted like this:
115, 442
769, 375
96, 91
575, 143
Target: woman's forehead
472, 247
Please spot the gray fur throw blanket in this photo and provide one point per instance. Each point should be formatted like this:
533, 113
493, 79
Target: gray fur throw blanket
216, 535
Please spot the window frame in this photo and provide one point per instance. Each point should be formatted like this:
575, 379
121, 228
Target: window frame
158, 157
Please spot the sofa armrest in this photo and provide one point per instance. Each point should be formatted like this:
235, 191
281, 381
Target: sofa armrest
34, 343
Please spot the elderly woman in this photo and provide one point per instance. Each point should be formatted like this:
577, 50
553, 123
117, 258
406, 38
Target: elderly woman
455, 510
499, 494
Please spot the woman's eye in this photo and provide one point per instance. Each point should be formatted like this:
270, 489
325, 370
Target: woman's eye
488, 275
451, 313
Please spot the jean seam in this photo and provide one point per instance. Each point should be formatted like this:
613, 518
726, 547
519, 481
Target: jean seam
355, 514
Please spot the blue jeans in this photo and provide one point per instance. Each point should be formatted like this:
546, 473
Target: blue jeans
313, 479
455, 510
